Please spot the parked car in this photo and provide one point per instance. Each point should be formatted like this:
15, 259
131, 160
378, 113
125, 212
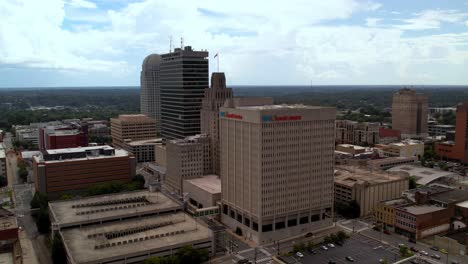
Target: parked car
454, 262
386, 232
434, 256
311, 251
299, 254
330, 245
414, 249
324, 247
350, 259
412, 240
443, 251
243, 261
308, 234
435, 248
339, 243
401, 245
424, 253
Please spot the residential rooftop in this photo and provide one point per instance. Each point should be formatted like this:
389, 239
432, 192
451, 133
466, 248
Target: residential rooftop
423, 175
421, 209
351, 175
110, 207
209, 183
134, 237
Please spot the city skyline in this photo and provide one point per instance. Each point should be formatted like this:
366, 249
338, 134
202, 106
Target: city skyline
102, 43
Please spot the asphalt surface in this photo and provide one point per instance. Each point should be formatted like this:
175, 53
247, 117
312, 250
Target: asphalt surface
360, 248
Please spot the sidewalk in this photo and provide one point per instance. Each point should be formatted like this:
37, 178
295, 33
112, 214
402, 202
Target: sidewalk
29, 255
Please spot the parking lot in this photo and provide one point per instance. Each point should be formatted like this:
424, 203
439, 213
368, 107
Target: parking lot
359, 247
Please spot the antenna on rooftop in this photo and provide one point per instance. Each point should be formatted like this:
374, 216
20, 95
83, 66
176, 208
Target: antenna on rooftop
182, 42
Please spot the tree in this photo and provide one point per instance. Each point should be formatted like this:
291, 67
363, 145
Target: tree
310, 245
412, 183
163, 260
43, 221
140, 180
349, 209
23, 173
188, 254
327, 239
65, 196
404, 252
342, 236
58, 250
39, 201
299, 247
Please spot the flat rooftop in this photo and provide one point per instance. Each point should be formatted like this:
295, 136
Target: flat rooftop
100, 243
396, 202
7, 220
209, 183
136, 118
153, 141
422, 209
453, 196
351, 175
351, 146
79, 149
109, 207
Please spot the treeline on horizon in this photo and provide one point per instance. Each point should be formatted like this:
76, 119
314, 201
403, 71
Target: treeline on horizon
104, 103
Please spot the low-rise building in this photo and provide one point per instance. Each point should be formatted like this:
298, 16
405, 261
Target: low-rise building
10, 248
204, 191
424, 175
419, 221
439, 130
3, 171
357, 133
350, 149
125, 228
388, 135
72, 135
406, 148
143, 150
367, 188
187, 158
387, 163
69, 170
385, 211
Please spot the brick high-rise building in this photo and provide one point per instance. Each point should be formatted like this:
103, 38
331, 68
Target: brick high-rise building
213, 100
183, 79
357, 133
150, 90
458, 149
132, 128
277, 165
409, 113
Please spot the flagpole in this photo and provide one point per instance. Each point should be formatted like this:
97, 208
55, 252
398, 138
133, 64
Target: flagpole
217, 57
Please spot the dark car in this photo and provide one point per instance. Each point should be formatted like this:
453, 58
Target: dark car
412, 240
386, 232
311, 251
339, 243
309, 234
414, 249
435, 248
331, 262
243, 261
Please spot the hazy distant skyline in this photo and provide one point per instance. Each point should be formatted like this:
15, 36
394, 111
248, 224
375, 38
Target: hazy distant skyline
103, 42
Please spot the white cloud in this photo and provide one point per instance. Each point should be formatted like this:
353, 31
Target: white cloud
82, 4
466, 23
432, 19
260, 42
372, 21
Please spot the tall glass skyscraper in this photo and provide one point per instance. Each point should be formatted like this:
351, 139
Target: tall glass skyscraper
183, 78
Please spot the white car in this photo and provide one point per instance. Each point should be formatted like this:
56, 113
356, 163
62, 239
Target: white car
324, 247
424, 253
331, 245
299, 254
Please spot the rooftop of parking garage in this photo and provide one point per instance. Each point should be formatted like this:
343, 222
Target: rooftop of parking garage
136, 237
108, 207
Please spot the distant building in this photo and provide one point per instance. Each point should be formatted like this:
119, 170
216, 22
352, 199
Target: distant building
183, 79
457, 150
143, 150
367, 188
350, 149
388, 135
439, 130
424, 175
74, 169
213, 99
406, 148
357, 133
387, 163
150, 89
63, 136
187, 158
125, 228
132, 128
276, 169
409, 113
203, 192
3, 171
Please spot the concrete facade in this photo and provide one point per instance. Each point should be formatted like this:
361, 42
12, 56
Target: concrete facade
419, 221
75, 169
3, 171
214, 98
143, 150
387, 163
357, 133
368, 188
204, 191
277, 169
187, 159
409, 113
132, 128
406, 148
150, 89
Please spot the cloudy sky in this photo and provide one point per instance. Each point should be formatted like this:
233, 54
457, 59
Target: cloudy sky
269, 42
